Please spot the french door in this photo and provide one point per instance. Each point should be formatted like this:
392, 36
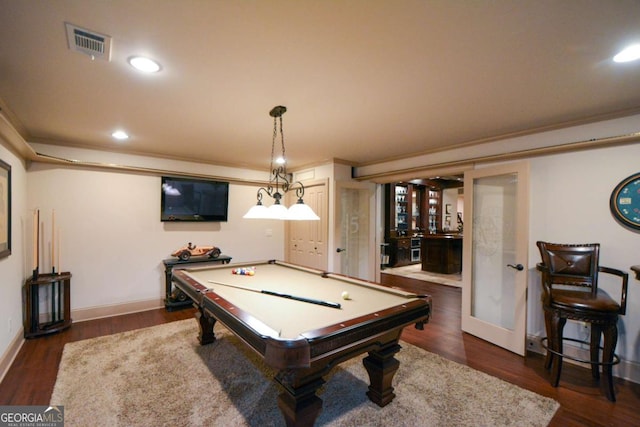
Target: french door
494, 292
355, 253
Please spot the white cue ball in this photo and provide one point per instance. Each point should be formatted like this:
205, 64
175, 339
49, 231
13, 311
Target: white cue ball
345, 295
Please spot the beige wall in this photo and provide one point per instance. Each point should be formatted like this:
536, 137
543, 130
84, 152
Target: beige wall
112, 239
570, 204
13, 268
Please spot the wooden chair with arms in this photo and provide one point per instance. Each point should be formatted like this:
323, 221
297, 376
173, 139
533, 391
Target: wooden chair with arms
570, 291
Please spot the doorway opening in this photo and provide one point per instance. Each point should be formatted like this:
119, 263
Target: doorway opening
423, 229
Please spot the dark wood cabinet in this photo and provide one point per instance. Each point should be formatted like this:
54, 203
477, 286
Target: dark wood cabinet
399, 251
405, 210
409, 210
412, 209
399, 208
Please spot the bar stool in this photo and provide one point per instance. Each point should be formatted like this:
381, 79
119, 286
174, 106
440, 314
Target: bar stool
570, 291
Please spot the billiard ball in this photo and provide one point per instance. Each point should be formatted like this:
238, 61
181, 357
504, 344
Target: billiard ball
345, 295
244, 271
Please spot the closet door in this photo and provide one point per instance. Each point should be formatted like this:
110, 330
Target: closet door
307, 240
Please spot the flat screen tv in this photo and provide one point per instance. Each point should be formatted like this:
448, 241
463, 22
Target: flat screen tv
190, 199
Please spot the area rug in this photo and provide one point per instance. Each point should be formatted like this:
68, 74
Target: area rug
162, 376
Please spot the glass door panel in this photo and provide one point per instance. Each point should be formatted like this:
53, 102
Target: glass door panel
355, 231
493, 246
494, 292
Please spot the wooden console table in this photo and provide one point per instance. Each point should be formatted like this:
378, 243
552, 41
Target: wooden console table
175, 299
59, 317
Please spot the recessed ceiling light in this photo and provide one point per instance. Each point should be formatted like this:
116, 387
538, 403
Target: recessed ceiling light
143, 64
120, 135
628, 54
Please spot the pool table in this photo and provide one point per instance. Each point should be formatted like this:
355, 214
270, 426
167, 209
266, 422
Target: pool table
298, 321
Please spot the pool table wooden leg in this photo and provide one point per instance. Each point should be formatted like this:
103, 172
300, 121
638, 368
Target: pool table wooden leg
206, 323
299, 405
382, 366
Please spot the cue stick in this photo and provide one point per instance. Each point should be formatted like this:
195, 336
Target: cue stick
277, 294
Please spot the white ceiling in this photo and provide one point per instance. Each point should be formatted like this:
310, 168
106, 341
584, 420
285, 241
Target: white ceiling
363, 81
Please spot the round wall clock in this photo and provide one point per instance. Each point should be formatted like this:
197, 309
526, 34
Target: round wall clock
625, 202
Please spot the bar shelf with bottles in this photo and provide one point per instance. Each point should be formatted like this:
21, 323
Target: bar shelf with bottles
401, 222
434, 211
406, 222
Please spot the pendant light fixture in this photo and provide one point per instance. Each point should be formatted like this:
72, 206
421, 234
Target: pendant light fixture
280, 183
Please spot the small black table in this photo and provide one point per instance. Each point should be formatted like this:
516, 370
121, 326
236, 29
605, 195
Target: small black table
175, 299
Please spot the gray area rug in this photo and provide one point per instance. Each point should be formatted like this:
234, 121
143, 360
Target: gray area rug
161, 376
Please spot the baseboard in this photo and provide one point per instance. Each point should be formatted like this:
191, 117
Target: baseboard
627, 370
99, 312
10, 354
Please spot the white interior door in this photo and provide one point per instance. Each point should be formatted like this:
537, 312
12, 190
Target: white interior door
307, 240
494, 292
355, 254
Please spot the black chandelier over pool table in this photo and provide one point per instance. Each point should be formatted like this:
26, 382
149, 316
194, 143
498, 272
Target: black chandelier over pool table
280, 183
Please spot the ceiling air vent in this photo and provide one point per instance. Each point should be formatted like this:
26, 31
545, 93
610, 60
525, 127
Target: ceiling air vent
96, 45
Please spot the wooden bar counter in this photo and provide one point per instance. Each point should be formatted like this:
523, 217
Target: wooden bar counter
442, 253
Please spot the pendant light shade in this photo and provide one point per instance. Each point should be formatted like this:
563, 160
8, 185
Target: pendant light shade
258, 211
278, 211
300, 212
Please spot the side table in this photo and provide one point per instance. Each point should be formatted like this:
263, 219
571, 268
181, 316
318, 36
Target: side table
175, 299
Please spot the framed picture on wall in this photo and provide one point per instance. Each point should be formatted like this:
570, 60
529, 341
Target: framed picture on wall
5, 209
447, 209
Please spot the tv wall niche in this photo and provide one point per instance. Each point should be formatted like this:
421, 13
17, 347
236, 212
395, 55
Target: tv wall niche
193, 199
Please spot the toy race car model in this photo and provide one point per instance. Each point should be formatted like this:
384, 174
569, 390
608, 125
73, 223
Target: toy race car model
186, 252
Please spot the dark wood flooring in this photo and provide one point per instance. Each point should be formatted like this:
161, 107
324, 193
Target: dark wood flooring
32, 376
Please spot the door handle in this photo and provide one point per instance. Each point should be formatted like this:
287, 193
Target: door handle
518, 267
340, 250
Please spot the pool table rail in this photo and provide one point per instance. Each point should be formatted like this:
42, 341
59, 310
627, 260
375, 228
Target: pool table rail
191, 287
339, 336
